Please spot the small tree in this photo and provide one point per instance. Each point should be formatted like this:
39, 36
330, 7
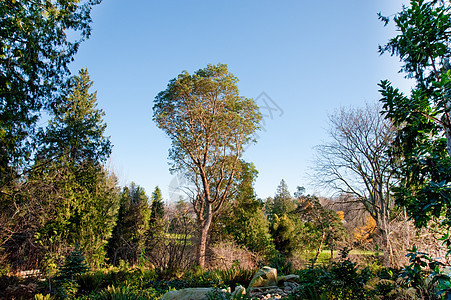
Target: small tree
156, 207
209, 124
66, 281
246, 221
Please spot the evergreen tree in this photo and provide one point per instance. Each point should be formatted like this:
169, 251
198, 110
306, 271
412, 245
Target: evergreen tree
157, 206
282, 203
285, 225
66, 281
76, 130
246, 221
85, 195
128, 239
35, 54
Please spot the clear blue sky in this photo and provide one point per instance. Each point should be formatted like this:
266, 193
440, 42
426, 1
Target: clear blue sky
309, 57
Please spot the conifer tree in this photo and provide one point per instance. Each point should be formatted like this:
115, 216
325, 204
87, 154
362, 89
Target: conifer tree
128, 238
83, 198
157, 206
246, 221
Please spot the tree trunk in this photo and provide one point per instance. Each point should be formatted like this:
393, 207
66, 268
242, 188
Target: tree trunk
384, 231
318, 251
204, 227
448, 139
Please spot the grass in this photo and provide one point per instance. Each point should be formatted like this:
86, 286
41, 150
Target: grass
324, 256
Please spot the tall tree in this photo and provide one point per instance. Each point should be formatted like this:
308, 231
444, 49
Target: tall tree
209, 124
422, 148
77, 130
75, 145
35, 51
356, 162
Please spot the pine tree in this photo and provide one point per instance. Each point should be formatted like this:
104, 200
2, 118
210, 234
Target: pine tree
157, 206
74, 266
83, 197
76, 130
282, 203
129, 235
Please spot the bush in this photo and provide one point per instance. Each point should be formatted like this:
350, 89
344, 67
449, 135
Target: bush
339, 280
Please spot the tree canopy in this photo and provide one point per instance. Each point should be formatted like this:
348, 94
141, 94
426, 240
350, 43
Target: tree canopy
209, 124
35, 51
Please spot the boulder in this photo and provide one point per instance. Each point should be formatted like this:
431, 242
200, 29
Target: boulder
238, 292
187, 294
265, 277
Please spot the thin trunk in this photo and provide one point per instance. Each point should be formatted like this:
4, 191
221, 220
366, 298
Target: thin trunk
318, 251
448, 139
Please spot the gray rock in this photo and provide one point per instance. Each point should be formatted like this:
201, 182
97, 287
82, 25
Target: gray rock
288, 278
265, 277
239, 291
187, 294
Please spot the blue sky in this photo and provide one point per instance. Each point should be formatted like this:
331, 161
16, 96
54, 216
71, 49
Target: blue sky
308, 57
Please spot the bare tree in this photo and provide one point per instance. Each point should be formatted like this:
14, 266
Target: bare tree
355, 161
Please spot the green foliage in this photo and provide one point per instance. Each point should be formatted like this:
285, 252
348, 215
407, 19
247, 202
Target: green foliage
285, 234
322, 226
340, 280
129, 235
157, 207
76, 130
285, 226
282, 203
423, 144
43, 297
66, 281
246, 221
35, 51
279, 261
209, 124
426, 275
77, 198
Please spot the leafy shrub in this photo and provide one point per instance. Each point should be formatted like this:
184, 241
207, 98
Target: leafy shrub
235, 276
279, 261
339, 280
43, 297
426, 276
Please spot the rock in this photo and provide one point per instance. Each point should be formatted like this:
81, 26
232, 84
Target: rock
187, 294
265, 277
239, 291
287, 278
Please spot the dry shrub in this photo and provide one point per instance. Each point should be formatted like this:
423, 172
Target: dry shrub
226, 254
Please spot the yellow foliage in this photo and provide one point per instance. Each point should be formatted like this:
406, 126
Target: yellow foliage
341, 215
362, 234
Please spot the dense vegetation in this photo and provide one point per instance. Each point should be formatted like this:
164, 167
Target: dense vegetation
68, 230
